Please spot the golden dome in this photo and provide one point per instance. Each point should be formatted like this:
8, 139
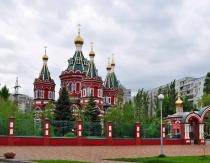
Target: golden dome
92, 53
179, 102
78, 40
45, 57
112, 64
109, 67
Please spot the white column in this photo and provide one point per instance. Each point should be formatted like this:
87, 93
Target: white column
201, 131
187, 130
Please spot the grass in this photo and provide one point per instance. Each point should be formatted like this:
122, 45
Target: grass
59, 161
178, 159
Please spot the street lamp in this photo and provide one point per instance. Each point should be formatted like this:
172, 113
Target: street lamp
160, 98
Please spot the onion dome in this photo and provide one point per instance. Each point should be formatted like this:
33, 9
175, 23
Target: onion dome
92, 53
45, 57
179, 102
78, 40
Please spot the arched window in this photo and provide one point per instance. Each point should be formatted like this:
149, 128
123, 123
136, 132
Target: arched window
71, 87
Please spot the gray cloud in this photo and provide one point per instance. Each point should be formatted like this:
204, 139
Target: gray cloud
154, 41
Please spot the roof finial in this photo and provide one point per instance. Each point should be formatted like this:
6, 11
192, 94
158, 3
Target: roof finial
79, 25
45, 57
45, 50
91, 45
179, 94
78, 39
109, 65
113, 63
92, 53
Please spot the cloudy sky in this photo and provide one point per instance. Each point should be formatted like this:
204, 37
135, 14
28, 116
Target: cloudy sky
154, 41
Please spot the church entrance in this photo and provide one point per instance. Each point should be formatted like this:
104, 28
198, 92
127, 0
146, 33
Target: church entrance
194, 130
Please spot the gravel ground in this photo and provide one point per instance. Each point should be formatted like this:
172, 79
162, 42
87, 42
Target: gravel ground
98, 153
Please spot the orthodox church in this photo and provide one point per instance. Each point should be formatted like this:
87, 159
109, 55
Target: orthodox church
80, 79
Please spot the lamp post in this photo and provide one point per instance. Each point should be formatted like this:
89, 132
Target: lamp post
160, 98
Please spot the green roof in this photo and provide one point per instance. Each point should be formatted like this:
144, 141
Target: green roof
92, 71
111, 81
78, 62
44, 74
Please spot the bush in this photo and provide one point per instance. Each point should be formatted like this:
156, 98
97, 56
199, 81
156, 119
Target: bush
69, 134
9, 155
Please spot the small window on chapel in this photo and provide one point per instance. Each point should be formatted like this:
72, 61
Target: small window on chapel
71, 61
78, 61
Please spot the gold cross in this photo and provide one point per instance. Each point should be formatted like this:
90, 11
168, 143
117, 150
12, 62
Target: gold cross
45, 50
79, 25
91, 45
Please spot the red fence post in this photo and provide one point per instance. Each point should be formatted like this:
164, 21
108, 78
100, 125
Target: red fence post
11, 131
79, 131
46, 132
138, 132
185, 133
109, 132
164, 131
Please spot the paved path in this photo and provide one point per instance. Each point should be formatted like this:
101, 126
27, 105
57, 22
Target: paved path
97, 153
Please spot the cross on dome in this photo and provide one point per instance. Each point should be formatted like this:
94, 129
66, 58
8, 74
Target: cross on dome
78, 39
92, 53
45, 57
79, 25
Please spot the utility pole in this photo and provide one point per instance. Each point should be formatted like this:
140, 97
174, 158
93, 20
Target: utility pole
16, 87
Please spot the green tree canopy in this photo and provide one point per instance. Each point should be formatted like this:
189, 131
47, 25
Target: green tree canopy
206, 89
141, 105
48, 111
125, 114
63, 106
91, 112
204, 101
188, 105
10, 109
169, 93
4, 92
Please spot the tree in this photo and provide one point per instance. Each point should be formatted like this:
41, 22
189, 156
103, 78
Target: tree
169, 100
4, 93
92, 125
141, 105
123, 120
49, 110
120, 97
91, 112
62, 109
206, 89
204, 101
188, 105
9, 108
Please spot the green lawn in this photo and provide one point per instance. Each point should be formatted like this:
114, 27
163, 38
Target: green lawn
59, 161
179, 159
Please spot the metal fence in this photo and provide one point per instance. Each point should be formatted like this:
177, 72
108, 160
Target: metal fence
4, 127
93, 130
63, 129
28, 127
150, 131
123, 130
